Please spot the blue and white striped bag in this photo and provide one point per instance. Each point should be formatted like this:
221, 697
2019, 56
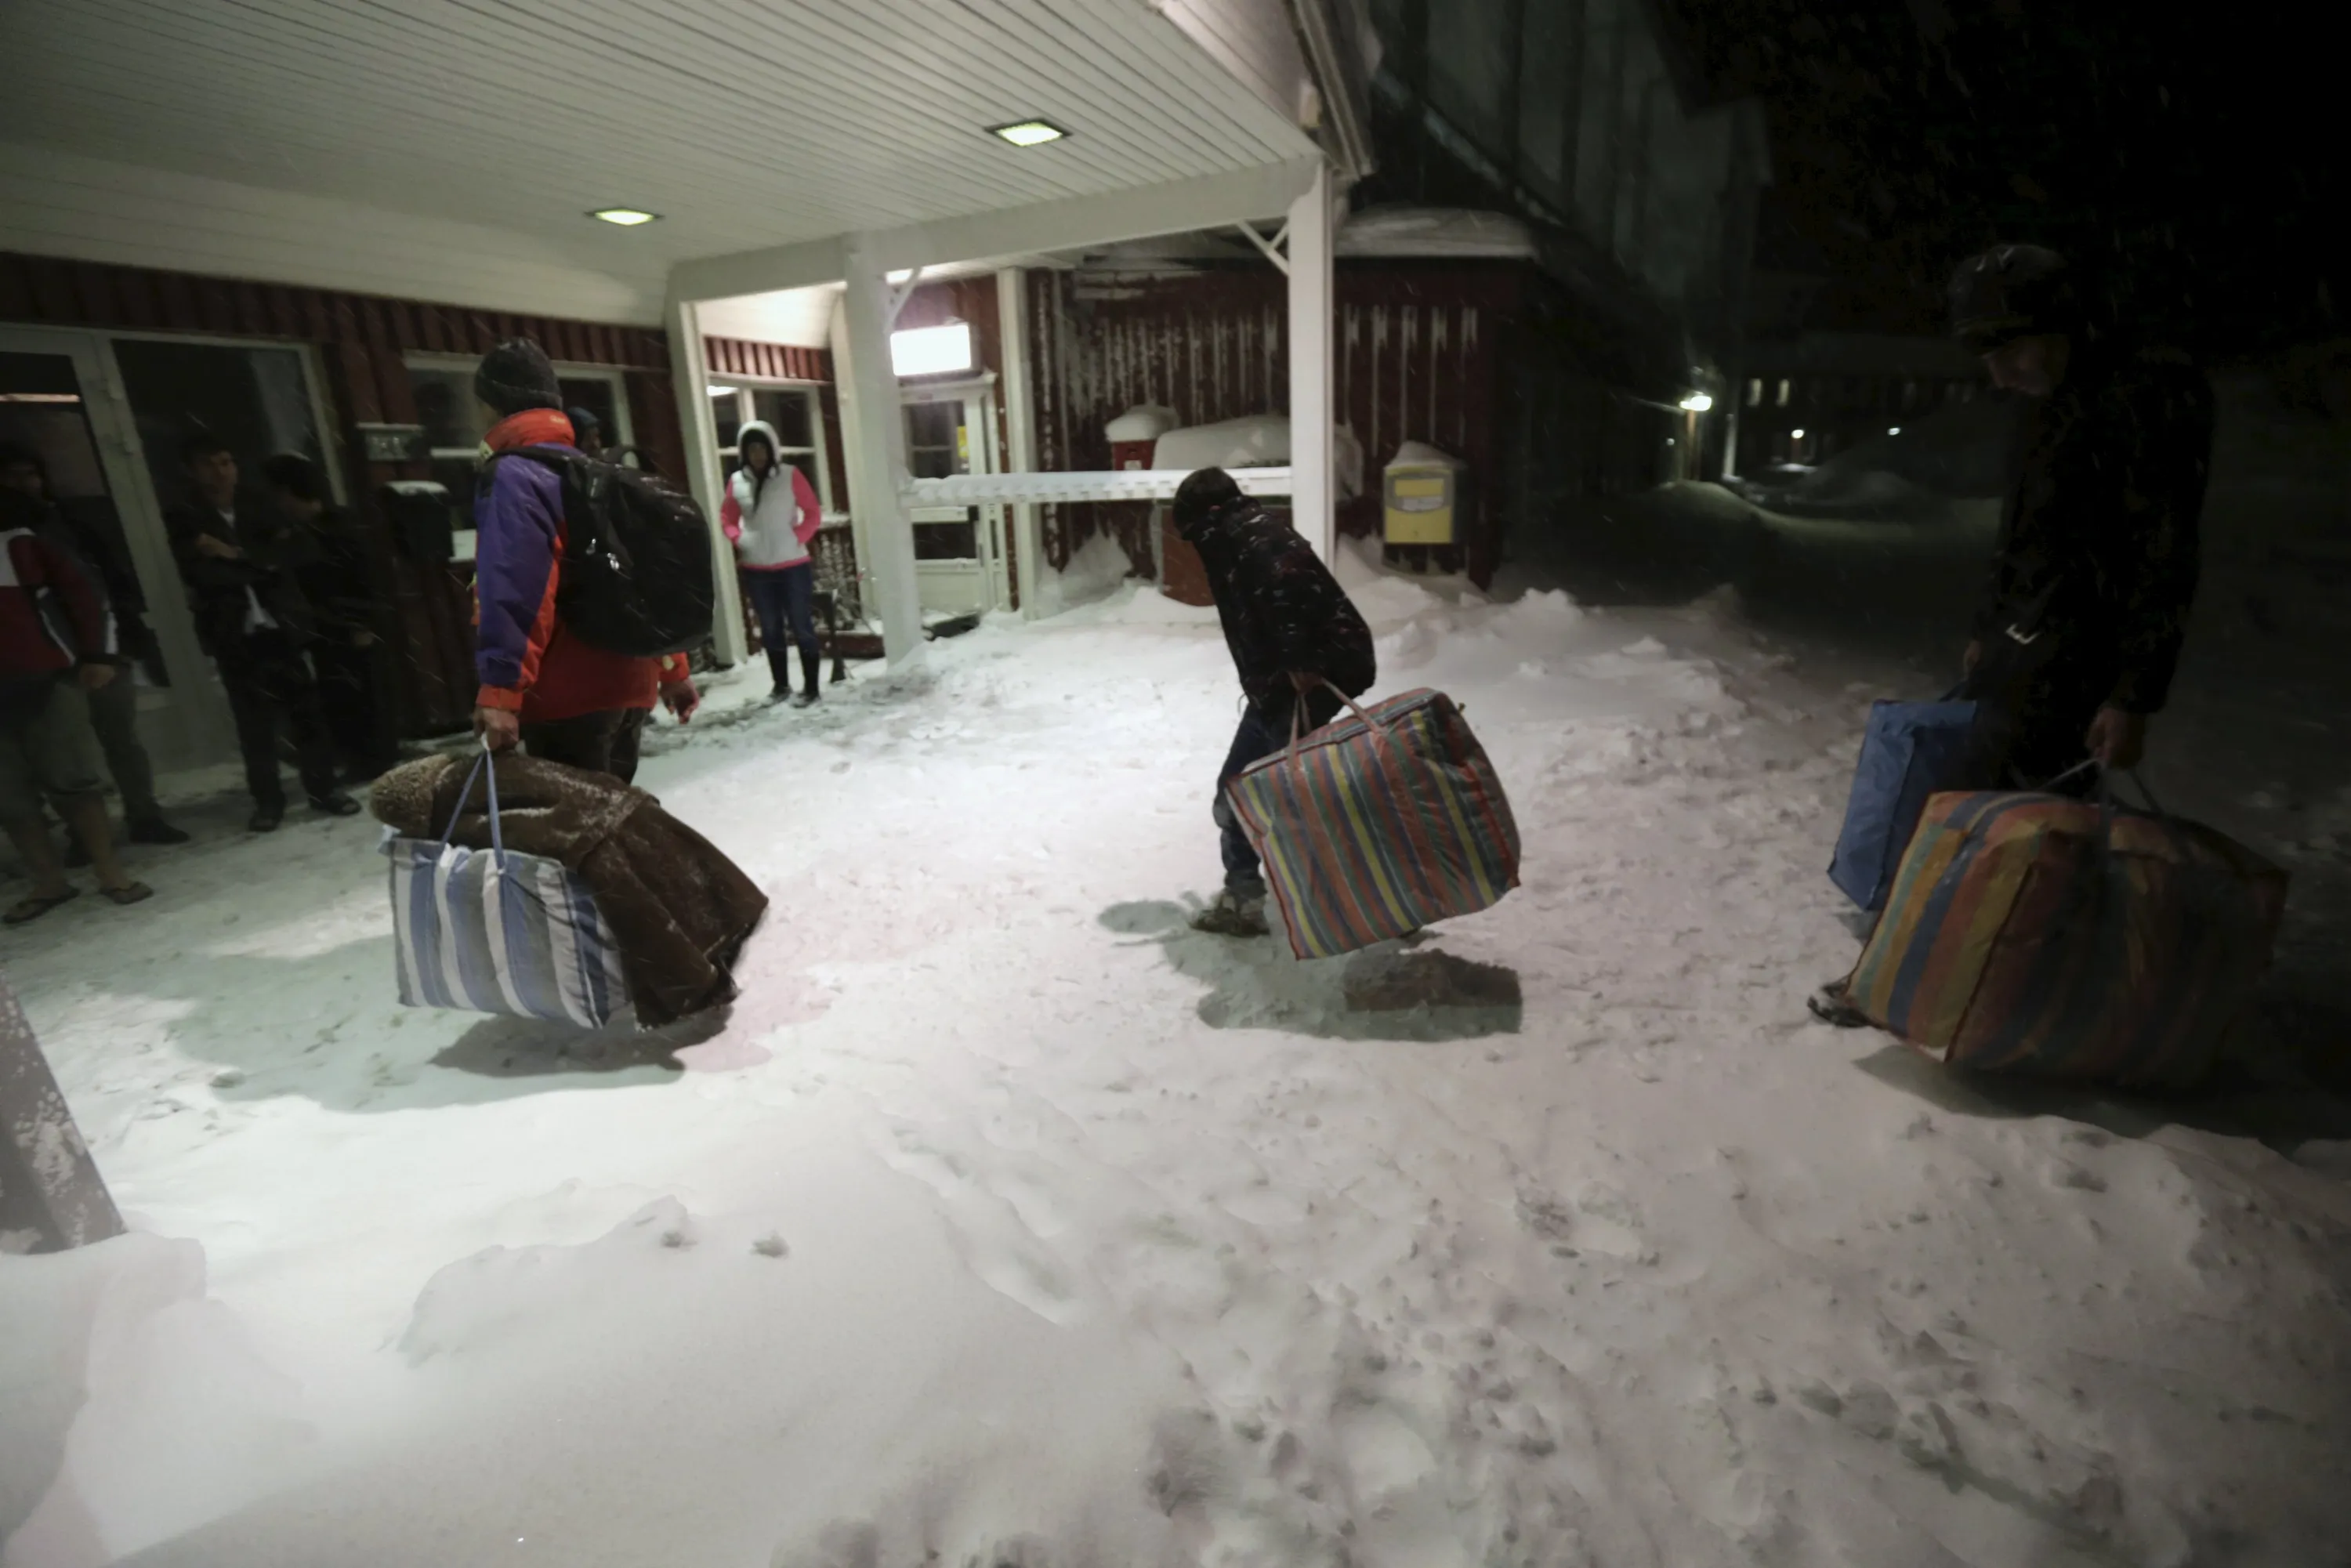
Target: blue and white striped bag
491, 931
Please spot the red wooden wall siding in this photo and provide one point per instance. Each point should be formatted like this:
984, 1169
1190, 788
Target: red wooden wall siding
1418, 353
774, 362
362, 340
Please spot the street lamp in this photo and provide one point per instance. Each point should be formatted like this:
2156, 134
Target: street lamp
1697, 402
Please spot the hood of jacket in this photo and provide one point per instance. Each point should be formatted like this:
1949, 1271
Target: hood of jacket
760, 427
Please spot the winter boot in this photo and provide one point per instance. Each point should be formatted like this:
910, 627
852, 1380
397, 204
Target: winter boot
1832, 1006
1233, 915
779, 673
812, 671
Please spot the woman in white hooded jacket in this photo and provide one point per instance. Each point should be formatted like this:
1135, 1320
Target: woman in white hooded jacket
771, 514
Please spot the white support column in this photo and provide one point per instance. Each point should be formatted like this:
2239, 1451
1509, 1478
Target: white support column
877, 454
1021, 431
1311, 392
690, 369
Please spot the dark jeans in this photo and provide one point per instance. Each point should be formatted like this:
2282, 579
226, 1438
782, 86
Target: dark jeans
604, 742
2041, 727
114, 715
269, 684
785, 603
1261, 735
351, 681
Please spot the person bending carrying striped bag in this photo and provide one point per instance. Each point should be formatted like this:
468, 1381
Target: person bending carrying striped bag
1291, 629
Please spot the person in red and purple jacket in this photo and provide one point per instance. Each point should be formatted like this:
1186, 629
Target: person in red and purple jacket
565, 700
48, 749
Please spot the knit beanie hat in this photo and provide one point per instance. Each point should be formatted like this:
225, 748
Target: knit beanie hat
516, 375
2009, 292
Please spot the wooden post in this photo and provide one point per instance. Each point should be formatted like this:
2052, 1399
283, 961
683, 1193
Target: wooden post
1020, 432
50, 1194
689, 369
1313, 511
877, 456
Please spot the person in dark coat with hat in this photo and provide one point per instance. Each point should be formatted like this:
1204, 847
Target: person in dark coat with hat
1293, 634
251, 616
2078, 629
330, 565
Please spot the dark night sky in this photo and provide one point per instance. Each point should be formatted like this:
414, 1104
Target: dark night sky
2192, 157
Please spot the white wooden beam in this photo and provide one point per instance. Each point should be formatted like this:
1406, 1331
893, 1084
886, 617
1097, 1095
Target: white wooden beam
690, 372
1064, 486
877, 454
1272, 247
1020, 432
1312, 446
1177, 206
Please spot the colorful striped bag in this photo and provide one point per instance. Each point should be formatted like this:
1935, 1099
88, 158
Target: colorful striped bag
1378, 824
489, 931
2069, 939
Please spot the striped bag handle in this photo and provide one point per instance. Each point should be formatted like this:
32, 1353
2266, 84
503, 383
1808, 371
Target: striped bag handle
497, 836
1298, 730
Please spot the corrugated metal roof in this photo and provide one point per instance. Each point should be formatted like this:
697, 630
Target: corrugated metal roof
744, 123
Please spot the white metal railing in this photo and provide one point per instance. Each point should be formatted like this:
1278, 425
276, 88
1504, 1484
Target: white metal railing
1102, 485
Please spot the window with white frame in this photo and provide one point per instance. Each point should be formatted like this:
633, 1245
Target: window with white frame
792, 412
443, 387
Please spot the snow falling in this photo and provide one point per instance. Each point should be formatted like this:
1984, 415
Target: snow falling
1007, 1221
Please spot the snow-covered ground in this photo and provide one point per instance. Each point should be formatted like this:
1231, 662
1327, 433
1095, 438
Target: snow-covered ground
1006, 1221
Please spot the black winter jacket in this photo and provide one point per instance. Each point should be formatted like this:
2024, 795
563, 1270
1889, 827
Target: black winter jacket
1283, 609
218, 587
331, 566
2101, 525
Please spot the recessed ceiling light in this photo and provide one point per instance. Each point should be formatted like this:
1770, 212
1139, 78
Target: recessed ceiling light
1028, 132
627, 217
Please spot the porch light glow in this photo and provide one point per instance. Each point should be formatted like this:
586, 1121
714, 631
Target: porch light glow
1697, 402
1892, 430
627, 217
930, 350
1028, 132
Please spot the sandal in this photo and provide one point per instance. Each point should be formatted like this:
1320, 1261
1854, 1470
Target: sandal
34, 908
128, 893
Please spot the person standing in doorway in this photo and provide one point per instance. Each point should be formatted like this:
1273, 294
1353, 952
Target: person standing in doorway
331, 566
252, 619
771, 514
1293, 634
47, 749
130, 646
562, 699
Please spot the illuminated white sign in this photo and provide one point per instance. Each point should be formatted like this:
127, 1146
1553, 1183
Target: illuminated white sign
930, 350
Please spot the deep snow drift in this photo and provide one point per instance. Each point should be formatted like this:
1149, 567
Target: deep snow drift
1007, 1221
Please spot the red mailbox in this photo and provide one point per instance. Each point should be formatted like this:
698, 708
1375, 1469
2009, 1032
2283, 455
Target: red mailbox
1135, 434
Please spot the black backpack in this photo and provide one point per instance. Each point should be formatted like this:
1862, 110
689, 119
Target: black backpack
636, 557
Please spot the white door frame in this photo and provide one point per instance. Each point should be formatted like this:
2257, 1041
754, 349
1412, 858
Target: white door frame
187, 724
974, 397
814, 390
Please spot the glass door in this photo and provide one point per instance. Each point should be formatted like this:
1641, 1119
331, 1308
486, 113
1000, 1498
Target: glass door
60, 404
958, 550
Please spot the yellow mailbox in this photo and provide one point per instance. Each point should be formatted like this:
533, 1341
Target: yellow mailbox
1423, 493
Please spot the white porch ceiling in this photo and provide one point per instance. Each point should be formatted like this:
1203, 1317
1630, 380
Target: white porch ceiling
745, 123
